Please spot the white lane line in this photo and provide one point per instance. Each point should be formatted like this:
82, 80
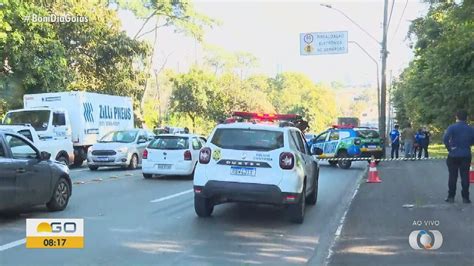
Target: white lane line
79, 170
171, 196
13, 244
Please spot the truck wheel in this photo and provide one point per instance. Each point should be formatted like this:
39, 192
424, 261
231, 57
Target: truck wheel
203, 206
133, 162
61, 194
93, 167
296, 211
344, 164
78, 162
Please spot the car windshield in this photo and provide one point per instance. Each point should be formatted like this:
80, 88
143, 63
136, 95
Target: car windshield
169, 143
367, 134
38, 119
128, 136
247, 139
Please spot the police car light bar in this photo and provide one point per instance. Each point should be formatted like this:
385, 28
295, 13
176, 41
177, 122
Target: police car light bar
343, 126
267, 117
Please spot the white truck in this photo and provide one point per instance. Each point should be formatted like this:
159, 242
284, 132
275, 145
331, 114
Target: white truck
80, 118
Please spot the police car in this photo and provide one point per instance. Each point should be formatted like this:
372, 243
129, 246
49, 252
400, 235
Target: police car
253, 159
348, 141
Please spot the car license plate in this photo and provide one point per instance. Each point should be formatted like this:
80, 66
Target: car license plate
372, 147
102, 159
163, 166
243, 171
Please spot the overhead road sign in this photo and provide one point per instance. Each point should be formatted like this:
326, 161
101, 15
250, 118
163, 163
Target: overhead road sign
320, 43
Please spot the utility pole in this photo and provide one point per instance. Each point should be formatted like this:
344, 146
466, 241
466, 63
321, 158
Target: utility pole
383, 89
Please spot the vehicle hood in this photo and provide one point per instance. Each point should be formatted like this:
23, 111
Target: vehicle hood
111, 145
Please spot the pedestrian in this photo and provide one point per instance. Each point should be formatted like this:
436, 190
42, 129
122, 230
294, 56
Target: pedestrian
420, 142
395, 138
408, 137
458, 139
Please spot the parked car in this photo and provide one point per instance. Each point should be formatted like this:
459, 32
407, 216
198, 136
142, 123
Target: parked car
172, 154
122, 148
28, 177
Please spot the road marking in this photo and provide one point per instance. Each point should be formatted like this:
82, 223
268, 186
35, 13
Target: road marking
172, 196
13, 244
79, 170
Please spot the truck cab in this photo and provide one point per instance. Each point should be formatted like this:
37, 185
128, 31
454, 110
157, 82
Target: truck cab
47, 128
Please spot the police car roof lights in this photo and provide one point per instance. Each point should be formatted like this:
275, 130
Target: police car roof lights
293, 120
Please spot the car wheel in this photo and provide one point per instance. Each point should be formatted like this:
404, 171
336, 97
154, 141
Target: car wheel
63, 159
203, 206
296, 211
313, 197
332, 163
344, 164
147, 176
93, 167
133, 162
60, 197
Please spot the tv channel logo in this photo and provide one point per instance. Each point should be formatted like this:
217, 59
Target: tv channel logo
54, 233
425, 239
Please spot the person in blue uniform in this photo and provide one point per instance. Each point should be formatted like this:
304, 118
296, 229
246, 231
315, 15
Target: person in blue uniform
395, 138
458, 139
421, 143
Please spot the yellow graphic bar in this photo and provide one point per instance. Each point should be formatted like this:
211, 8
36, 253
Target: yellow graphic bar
55, 242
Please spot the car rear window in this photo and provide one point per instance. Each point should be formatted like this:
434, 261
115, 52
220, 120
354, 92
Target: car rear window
367, 134
169, 143
247, 139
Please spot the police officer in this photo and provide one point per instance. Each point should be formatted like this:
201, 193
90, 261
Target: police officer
395, 138
420, 143
458, 139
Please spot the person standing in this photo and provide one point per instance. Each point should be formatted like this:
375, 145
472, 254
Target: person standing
395, 138
426, 142
408, 137
419, 143
458, 139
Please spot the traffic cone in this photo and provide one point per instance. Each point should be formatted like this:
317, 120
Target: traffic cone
471, 173
373, 173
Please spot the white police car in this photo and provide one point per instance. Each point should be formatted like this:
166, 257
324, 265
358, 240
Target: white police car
258, 163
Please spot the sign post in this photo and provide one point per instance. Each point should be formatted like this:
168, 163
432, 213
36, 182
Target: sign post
321, 43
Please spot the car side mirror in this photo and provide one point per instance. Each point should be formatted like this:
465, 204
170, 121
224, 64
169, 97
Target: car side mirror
44, 156
316, 151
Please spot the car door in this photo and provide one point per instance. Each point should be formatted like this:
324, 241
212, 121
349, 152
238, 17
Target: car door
330, 147
7, 178
301, 154
321, 141
33, 176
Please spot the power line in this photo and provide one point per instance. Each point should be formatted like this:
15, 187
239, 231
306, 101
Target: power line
401, 17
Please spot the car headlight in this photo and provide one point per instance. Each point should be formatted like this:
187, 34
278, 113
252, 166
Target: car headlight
122, 150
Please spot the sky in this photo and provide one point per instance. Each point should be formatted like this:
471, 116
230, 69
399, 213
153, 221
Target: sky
270, 31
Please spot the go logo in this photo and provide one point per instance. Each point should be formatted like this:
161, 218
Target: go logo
425, 239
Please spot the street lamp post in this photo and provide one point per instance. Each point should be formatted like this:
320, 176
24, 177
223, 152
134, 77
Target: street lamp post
378, 79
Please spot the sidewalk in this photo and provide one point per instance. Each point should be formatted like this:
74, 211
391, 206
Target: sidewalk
382, 216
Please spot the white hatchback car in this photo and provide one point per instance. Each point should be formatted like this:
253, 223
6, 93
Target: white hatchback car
256, 163
172, 154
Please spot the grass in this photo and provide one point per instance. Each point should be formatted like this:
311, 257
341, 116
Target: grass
438, 150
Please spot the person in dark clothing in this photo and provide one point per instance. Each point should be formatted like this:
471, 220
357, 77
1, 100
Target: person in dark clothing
420, 142
426, 142
458, 139
395, 138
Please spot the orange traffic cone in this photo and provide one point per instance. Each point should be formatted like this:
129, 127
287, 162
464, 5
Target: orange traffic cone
373, 173
471, 173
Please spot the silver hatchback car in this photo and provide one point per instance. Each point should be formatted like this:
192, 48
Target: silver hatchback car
122, 148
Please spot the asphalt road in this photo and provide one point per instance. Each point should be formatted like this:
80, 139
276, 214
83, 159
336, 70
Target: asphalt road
133, 221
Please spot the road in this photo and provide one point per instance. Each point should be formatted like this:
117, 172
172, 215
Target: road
130, 220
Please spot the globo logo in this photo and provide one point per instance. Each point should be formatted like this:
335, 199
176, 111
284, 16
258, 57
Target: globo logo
425, 239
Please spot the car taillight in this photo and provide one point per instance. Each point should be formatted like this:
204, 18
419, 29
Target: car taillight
357, 141
145, 154
205, 155
287, 160
187, 155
